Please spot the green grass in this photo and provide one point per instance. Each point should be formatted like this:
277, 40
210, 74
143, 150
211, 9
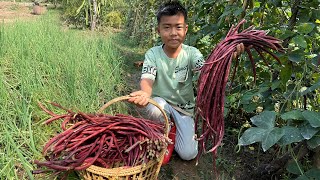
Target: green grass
41, 61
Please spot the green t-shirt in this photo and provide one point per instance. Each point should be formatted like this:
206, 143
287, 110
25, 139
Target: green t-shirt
174, 77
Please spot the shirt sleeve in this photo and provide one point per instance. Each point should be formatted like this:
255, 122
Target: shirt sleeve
149, 68
197, 63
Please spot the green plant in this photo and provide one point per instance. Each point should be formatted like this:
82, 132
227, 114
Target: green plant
279, 88
298, 126
112, 19
40, 61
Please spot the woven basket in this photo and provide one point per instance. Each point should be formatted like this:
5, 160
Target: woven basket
146, 171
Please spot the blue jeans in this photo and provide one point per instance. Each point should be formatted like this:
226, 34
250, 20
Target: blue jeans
186, 146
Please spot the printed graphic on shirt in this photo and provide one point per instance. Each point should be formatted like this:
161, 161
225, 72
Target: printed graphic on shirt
186, 105
199, 64
181, 73
149, 70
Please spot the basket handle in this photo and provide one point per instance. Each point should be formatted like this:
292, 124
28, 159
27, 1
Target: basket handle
123, 98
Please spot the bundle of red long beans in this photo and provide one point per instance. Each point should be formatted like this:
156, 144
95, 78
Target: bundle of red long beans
214, 77
100, 139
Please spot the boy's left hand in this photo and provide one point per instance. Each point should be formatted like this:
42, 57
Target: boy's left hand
139, 98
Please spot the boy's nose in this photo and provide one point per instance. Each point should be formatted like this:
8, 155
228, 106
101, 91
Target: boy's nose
173, 32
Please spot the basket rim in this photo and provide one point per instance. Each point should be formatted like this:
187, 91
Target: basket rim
121, 171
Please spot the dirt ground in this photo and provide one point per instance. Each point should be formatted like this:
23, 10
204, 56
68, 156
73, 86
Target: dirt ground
10, 11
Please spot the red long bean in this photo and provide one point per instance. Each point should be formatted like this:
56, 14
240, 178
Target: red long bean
214, 77
100, 139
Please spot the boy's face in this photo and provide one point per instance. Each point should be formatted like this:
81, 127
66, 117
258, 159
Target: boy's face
172, 30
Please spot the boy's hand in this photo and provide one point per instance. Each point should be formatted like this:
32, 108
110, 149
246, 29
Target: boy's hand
239, 50
139, 98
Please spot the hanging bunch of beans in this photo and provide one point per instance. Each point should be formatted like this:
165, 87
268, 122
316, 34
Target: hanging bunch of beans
214, 77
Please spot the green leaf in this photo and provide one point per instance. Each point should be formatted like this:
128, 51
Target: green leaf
313, 118
271, 138
293, 168
268, 105
296, 56
264, 120
305, 28
275, 84
249, 107
293, 115
313, 173
312, 88
264, 87
286, 34
314, 141
238, 11
307, 131
302, 177
247, 97
290, 135
300, 41
252, 135
285, 73
80, 7
315, 60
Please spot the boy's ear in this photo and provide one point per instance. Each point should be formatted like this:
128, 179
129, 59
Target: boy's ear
158, 29
186, 28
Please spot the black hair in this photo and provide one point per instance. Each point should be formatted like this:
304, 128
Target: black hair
171, 8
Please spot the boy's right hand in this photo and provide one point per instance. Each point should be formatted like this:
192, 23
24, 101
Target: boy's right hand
139, 98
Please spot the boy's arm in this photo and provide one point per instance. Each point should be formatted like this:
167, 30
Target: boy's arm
141, 97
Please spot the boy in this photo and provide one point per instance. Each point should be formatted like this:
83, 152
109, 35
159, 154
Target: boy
168, 74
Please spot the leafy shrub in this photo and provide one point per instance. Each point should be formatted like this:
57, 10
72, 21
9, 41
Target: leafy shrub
112, 19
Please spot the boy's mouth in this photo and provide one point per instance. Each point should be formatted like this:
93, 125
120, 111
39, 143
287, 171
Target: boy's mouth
174, 40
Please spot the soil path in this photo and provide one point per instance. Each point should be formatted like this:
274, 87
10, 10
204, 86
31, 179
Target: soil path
10, 11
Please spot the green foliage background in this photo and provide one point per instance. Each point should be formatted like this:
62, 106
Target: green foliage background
285, 98
289, 91
287, 94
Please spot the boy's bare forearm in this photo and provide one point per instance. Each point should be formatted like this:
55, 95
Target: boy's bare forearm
146, 86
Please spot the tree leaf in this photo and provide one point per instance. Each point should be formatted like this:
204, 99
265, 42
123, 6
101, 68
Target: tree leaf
249, 107
312, 88
293, 115
296, 56
315, 60
285, 73
290, 135
238, 11
252, 135
275, 84
313, 173
271, 138
302, 177
286, 34
313, 118
277, 3
246, 98
293, 168
305, 28
307, 131
264, 120
314, 141
299, 40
